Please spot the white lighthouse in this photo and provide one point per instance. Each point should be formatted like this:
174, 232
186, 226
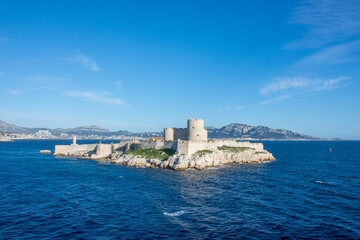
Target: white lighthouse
74, 140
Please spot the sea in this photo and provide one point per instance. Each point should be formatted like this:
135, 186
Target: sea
309, 192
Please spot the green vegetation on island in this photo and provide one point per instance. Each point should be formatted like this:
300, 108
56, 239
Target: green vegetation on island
260, 152
201, 153
234, 149
161, 154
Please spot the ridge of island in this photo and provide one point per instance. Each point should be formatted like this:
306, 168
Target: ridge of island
180, 149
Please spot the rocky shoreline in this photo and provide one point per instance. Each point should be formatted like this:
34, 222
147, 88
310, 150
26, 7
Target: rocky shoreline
199, 161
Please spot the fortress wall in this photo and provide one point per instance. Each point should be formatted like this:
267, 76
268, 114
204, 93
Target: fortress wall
171, 144
82, 148
73, 149
151, 144
191, 147
119, 146
213, 145
159, 144
62, 149
183, 147
180, 133
103, 150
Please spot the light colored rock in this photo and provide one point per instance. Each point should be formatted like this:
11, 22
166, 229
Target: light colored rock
180, 161
45, 151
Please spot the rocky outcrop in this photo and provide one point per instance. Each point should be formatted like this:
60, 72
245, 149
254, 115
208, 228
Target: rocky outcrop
45, 151
198, 161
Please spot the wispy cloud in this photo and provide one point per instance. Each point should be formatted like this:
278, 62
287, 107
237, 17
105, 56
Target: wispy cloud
83, 60
37, 83
276, 99
231, 108
16, 92
337, 54
2, 73
98, 97
328, 21
303, 83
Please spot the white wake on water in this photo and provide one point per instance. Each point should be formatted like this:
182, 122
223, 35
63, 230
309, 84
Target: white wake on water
175, 214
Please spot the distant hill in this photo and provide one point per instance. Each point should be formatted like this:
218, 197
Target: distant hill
238, 130
84, 130
234, 130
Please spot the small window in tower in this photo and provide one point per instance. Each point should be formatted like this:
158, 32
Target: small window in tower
192, 127
197, 134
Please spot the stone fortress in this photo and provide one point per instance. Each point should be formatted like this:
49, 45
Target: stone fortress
183, 140
195, 131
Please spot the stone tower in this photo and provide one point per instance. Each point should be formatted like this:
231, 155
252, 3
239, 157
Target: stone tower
196, 130
169, 134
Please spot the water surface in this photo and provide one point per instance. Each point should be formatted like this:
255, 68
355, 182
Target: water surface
307, 192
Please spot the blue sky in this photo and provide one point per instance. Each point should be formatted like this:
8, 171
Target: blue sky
143, 65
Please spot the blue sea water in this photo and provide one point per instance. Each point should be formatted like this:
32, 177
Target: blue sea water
307, 193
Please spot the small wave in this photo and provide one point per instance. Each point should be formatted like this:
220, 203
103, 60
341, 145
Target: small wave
175, 214
320, 182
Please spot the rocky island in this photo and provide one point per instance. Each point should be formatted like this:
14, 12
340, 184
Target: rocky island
180, 149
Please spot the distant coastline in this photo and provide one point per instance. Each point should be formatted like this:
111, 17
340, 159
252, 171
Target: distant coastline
6, 140
235, 131
237, 139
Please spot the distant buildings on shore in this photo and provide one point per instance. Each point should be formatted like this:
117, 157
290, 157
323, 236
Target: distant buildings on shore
44, 134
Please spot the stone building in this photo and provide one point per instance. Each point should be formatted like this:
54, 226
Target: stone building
195, 132
183, 140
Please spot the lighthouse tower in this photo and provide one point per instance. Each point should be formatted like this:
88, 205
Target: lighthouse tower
74, 140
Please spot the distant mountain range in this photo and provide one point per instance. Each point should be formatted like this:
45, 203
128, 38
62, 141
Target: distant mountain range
234, 130
238, 130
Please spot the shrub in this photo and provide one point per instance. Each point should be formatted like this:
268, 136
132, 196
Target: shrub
203, 152
161, 154
234, 149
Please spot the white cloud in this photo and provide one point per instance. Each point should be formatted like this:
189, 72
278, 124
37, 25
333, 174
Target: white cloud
328, 21
277, 99
16, 92
337, 54
83, 60
98, 97
332, 83
231, 108
303, 83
